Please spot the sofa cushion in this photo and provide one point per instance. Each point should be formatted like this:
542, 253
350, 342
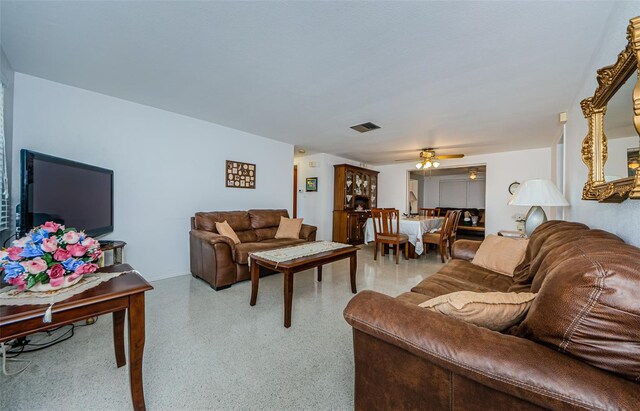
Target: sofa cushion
545, 238
493, 310
461, 275
289, 228
242, 250
559, 246
238, 220
588, 307
413, 298
266, 218
500, 254
268, 233
225, 229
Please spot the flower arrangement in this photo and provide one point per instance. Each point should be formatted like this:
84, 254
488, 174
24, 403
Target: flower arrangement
49, 257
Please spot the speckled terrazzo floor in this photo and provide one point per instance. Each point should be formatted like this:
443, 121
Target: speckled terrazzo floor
211, 350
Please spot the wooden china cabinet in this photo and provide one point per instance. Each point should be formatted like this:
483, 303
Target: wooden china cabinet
355, 193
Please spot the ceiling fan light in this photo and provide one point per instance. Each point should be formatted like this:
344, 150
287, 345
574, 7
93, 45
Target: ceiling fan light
436, 164
428, 164
419, 166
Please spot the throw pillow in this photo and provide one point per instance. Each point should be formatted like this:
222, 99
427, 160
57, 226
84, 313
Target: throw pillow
501, 254
494, 310
225, 229
289, 228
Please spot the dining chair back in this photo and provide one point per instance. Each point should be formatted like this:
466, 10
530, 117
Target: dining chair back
454, 229
441, 237
429, 212
386, 229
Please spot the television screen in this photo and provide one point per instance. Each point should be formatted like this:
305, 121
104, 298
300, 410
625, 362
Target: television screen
74, 194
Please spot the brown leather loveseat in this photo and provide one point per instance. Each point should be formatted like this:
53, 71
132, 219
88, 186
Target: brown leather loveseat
577, 348
220, 262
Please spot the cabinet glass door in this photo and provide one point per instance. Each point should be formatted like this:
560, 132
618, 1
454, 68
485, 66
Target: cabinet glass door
359, 184
374, 192
367, 185
348, 189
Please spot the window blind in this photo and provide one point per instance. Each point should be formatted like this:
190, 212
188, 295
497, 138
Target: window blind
4, 180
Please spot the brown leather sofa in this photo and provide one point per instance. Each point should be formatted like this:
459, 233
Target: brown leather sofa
220, 262
577, 348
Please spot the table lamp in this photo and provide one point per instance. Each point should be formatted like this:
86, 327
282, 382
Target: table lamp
536, 193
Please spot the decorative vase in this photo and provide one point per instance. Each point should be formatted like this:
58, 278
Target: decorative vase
47, 287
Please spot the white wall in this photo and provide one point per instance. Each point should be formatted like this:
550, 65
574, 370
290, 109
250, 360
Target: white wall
502, 170
166, 166
621, 219
317, 207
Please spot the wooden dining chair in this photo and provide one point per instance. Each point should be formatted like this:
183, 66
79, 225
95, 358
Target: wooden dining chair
429, 212
440, 237
454, 230
386, 228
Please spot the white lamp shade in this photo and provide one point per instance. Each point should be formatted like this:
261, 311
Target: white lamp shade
538, 192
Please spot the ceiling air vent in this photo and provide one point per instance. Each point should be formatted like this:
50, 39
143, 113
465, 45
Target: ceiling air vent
364, 127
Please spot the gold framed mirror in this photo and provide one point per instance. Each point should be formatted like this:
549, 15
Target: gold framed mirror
618, 89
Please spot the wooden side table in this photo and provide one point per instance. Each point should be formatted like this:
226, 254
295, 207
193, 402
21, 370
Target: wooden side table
512, 234
114, 246
123, 296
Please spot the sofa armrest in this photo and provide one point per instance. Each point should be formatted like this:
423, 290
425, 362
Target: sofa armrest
465, 249
212, 258
213, 238
516, 366
308, 232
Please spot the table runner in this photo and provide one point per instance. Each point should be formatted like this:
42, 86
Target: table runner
11, 296
290, 253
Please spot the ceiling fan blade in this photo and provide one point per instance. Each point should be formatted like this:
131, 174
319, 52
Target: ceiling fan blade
444, 157
410, 159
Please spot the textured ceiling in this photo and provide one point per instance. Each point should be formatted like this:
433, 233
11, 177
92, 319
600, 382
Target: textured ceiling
475, 77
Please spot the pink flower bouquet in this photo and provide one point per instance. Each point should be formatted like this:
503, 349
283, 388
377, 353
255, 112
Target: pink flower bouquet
49, 254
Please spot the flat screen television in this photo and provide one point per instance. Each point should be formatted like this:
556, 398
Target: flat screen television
74, 194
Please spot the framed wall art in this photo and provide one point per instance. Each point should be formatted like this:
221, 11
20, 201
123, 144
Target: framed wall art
240, 175
312, 184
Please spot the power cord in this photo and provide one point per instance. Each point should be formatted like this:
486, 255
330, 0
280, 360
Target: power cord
19, 346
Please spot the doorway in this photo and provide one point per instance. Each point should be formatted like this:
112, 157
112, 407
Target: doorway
295, 191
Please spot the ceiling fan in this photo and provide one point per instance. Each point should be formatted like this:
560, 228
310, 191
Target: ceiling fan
429, 158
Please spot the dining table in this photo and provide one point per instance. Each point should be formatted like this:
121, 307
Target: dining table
413, 227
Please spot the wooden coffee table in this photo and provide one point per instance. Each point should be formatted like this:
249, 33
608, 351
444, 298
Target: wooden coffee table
120, 295
289, 268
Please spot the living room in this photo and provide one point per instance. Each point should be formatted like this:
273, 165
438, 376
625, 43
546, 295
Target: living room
164, 93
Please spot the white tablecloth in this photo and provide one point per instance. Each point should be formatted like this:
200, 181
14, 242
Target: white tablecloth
413, 227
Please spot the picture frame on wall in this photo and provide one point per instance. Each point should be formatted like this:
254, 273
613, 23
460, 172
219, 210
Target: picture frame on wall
240, 175
312, 184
